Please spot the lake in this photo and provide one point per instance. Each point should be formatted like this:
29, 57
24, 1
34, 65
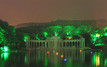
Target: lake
54, 58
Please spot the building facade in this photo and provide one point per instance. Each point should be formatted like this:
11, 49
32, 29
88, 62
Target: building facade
54, 43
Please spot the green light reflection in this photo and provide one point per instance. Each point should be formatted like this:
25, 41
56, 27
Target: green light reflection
5, 56
46, 62
25, 60
96, 59
105, 62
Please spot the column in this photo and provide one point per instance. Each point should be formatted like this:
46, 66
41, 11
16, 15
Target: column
45, 44
74, 43
36, 44
77, 44
65, 44
32, 44
84, 42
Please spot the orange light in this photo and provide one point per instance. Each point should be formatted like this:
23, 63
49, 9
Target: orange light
69, 38
80, 51
62, 56
53, 51
47, 52
57, 53
100, 50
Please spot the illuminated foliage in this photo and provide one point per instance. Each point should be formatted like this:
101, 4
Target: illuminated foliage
1, 35
95, 35
7, 33
5, 48
83, 29
37, 37
45, 34
54, 29
68, 29
105, 31
26, 36
92, 36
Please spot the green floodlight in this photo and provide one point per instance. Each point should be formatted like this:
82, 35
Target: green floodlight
5, 48
45, 34
105, 34
56, 34
25, 37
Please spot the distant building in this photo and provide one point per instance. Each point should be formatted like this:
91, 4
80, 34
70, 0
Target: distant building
55, 43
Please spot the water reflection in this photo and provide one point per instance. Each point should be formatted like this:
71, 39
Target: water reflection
40, 58
105, 62
97, 59
4, 56
55, 59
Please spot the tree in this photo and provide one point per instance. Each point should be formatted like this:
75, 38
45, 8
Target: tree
54, 30
2, 38
11, 34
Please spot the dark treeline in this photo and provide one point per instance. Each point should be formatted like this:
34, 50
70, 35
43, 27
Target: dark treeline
37, 27
7, 33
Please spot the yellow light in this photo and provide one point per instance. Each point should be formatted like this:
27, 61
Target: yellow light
57, 53
97, 35
62, 56
97, 60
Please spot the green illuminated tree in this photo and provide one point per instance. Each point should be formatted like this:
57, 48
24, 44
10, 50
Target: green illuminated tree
8, 33
2, 35
11, 34
54, 30
105, 31
83, 29
69, 30
95, 35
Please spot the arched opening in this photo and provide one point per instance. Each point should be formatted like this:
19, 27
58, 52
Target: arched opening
30, 44
37, 44
73, 43
70, 44
43, 44
47, 44
67, 44
60, 44
40, 44
63, 44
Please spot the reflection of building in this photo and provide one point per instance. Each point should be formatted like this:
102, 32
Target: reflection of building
41, 56
55, 42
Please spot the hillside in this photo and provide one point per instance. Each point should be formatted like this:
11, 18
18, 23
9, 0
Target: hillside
35, 27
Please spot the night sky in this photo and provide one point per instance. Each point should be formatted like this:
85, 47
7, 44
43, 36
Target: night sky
23, 11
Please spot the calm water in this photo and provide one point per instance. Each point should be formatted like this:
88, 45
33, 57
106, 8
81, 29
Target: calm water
39, 58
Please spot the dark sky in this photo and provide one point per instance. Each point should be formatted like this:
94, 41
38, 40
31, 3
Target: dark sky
22, 11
